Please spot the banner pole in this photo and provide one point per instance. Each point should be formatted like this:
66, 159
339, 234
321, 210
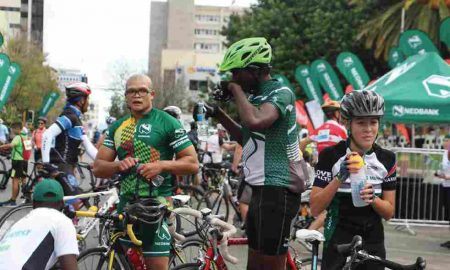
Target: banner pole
402, 24
413, 135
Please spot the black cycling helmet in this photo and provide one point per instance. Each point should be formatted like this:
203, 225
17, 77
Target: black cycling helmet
150, 211
78, 89
362, 104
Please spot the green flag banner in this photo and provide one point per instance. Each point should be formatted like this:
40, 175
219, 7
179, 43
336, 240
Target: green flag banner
444, 32
7, 86
353, 70
414, 42
4, 65
395, 57
281, 78
1, 39
308, 83
328, 78
47, 103
417, 91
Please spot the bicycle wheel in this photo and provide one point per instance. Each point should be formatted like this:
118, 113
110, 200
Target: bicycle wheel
5, 174
188, 266
97, 258
12, 216
186, 252
216, 201
183, 226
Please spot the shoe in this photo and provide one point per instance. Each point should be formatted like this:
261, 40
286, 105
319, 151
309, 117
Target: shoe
446, 244
8, 203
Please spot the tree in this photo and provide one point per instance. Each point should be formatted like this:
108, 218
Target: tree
302, 31
173, 93
383, 31
36, 80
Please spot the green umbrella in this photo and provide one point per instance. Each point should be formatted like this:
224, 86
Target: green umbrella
417, 91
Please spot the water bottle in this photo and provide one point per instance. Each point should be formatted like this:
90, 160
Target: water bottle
358, 181
136, 259
201, 121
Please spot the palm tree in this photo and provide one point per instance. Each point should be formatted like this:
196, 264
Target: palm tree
383, 31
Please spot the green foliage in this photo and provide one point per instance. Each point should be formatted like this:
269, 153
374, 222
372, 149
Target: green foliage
35, 82
302, 31
118, 107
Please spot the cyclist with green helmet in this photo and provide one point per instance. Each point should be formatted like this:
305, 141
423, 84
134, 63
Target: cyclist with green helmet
272, 162
361, 112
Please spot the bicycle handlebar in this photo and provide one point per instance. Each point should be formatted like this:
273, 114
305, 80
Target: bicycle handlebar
90, 195
347, 249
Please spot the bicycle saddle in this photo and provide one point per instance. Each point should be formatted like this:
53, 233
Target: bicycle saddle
309, 235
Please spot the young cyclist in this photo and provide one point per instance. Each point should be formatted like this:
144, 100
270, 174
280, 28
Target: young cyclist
361, 111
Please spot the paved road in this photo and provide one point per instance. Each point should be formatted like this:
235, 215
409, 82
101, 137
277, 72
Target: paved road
401, 246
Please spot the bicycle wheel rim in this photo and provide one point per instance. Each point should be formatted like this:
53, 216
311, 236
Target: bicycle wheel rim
186, 252
12, 216
96, 259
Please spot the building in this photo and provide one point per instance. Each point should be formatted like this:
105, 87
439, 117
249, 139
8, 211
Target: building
10, 18
34, 10
186, 43
14, 16
68, 76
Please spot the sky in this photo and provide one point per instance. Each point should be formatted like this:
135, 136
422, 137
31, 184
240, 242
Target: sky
93, 35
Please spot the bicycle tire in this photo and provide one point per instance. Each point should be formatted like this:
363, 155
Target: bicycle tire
215, 203
188, 266
8, 220
188, 252
102, 262
5, 174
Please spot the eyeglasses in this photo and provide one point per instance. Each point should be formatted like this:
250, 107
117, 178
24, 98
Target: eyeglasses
140, 92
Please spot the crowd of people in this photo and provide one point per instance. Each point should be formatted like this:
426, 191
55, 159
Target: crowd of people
150, 143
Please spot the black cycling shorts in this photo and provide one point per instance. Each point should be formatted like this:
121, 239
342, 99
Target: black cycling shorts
331, 259
269, 218
19, 168
244, 192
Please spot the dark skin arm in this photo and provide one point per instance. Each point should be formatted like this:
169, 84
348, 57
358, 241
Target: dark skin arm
68, 262
253, 117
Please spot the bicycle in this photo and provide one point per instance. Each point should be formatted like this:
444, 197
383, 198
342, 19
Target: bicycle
356, 256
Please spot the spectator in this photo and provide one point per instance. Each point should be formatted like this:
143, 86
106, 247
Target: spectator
445, 174
4, 133
37, 137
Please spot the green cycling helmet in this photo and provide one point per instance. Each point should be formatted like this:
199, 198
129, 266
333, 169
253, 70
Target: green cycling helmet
245, 52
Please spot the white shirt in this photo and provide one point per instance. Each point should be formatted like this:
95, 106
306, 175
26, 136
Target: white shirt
214, 148
446, 169
37, 240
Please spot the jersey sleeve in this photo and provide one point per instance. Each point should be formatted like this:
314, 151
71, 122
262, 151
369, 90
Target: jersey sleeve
178, 139
282, 99
65, 238
323, 170
390, 181
67, 121
109, 138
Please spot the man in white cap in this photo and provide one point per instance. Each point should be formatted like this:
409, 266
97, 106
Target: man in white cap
4, 133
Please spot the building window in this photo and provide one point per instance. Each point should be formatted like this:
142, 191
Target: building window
208, 18
206, 32
16, 9
14, 25
193, 85
207, 47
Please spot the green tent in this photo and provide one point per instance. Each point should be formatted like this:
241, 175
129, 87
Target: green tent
417, 91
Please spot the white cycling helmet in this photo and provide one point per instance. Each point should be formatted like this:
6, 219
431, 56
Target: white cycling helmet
174, 111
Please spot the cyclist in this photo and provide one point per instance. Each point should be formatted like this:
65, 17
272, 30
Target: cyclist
21, 151
149, 137
67, 134
193, 135
174, 111
37, 137
328, 134
44, 236
361, 111
271, 154
4, 133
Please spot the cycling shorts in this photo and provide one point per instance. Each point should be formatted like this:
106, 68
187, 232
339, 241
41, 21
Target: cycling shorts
19, 168
269, 218
244, 192
331, 259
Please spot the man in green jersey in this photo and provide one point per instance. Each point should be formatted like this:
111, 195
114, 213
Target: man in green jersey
149, 137
272, 162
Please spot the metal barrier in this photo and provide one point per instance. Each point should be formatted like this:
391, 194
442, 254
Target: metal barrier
419, 192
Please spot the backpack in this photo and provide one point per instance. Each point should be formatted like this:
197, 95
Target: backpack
27, 146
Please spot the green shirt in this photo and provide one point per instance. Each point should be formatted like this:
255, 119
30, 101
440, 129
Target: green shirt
156, 136
271, 156
17, 150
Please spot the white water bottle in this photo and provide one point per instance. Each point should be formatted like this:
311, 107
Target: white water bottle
358, 181
201, 121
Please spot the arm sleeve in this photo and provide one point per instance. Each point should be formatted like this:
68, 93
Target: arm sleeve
282, 100
16, 141
390, 181
65, 239
47, 140
109, 139
90, 148
178, 138
323, 169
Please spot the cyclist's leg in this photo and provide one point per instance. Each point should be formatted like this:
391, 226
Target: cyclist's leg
19, 174
268, 241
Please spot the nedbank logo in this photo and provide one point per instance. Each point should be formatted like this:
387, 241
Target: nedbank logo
321, 67
304, 72
414, 41
437, 86
348, 61
145, 129
400, 110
